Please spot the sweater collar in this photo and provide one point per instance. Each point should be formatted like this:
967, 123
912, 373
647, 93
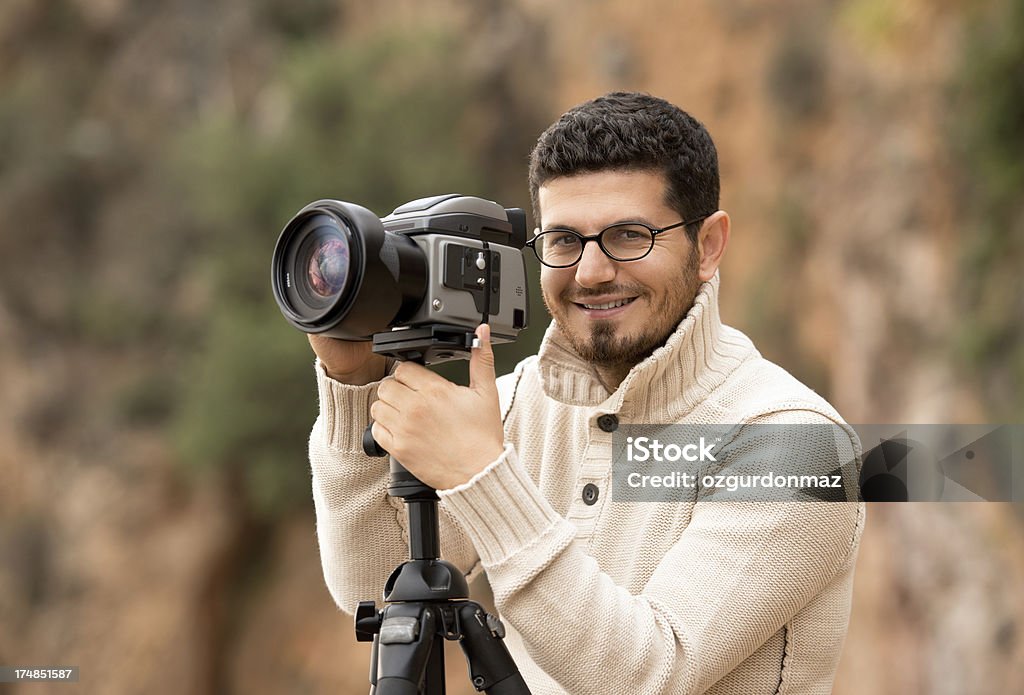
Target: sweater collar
676, 377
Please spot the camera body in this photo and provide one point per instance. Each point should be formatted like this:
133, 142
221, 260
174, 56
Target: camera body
416, 282
475, 268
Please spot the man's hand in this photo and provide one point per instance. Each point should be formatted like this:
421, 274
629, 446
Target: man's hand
347, 361
442, 433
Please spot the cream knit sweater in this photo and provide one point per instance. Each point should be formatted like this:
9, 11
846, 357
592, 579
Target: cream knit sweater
617, 597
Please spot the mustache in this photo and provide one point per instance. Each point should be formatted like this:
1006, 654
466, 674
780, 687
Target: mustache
578, 295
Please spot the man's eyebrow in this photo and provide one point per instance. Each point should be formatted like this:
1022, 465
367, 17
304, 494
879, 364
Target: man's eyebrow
624, 220
569, 227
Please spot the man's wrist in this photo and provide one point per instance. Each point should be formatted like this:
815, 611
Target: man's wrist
487, 457
367, 374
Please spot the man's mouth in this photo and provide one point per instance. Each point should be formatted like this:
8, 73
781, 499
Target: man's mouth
608, 305
603, 307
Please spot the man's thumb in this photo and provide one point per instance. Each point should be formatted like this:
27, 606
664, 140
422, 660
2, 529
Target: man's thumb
481, 361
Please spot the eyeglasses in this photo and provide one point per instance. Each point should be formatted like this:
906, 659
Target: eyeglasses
627, 241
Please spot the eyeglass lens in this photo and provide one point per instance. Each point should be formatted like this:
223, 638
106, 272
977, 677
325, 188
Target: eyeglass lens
623, 242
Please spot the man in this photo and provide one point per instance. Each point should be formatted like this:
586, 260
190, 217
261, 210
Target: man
601, 595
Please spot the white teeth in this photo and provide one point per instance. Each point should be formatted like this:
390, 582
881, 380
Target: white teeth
609, 305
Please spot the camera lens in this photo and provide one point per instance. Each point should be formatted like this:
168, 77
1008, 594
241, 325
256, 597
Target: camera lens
317, 264
337, 272
328, 264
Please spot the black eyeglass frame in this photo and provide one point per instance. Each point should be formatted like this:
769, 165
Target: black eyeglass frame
600, 244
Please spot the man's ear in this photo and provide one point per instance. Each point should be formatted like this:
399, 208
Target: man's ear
712, 239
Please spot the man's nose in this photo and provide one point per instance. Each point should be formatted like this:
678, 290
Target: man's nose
594, 268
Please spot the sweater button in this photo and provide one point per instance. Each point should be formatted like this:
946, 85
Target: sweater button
608, 423
590, 493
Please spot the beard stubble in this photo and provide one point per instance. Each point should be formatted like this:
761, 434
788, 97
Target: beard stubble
603, 346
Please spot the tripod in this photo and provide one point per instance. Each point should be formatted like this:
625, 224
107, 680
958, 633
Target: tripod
426, 599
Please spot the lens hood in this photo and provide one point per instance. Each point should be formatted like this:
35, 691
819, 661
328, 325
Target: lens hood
375, 277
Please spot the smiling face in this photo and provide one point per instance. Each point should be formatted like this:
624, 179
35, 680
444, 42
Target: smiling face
613, 313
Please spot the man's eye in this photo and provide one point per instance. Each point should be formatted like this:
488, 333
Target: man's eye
628, 234
562, 239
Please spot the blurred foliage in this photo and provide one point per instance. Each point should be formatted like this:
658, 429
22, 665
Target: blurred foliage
795, 84
145, 179
297, 19
246, 405
796, 75
987, 136
873, 23
368, 122
768, 311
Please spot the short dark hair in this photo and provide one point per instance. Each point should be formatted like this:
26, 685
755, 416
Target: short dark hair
632, 131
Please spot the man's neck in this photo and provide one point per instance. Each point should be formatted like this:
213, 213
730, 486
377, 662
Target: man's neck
611, 376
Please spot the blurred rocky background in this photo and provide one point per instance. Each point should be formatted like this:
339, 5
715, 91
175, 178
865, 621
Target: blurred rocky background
156, 526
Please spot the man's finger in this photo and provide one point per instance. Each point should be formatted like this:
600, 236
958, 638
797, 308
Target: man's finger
381, 410
416, 376
382, 436
408, 382
481, 362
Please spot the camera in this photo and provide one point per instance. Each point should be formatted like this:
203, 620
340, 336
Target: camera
417, 282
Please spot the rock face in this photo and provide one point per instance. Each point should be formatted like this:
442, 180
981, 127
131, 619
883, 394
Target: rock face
833, 131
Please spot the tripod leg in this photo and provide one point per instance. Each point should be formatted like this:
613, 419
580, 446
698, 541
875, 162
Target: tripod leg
407, 651
433, 679
491, 667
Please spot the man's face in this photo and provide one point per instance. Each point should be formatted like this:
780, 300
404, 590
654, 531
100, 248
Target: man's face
657, 290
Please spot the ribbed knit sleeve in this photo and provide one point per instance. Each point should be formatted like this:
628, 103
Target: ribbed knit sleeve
735, 576
504, 514
361, 530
